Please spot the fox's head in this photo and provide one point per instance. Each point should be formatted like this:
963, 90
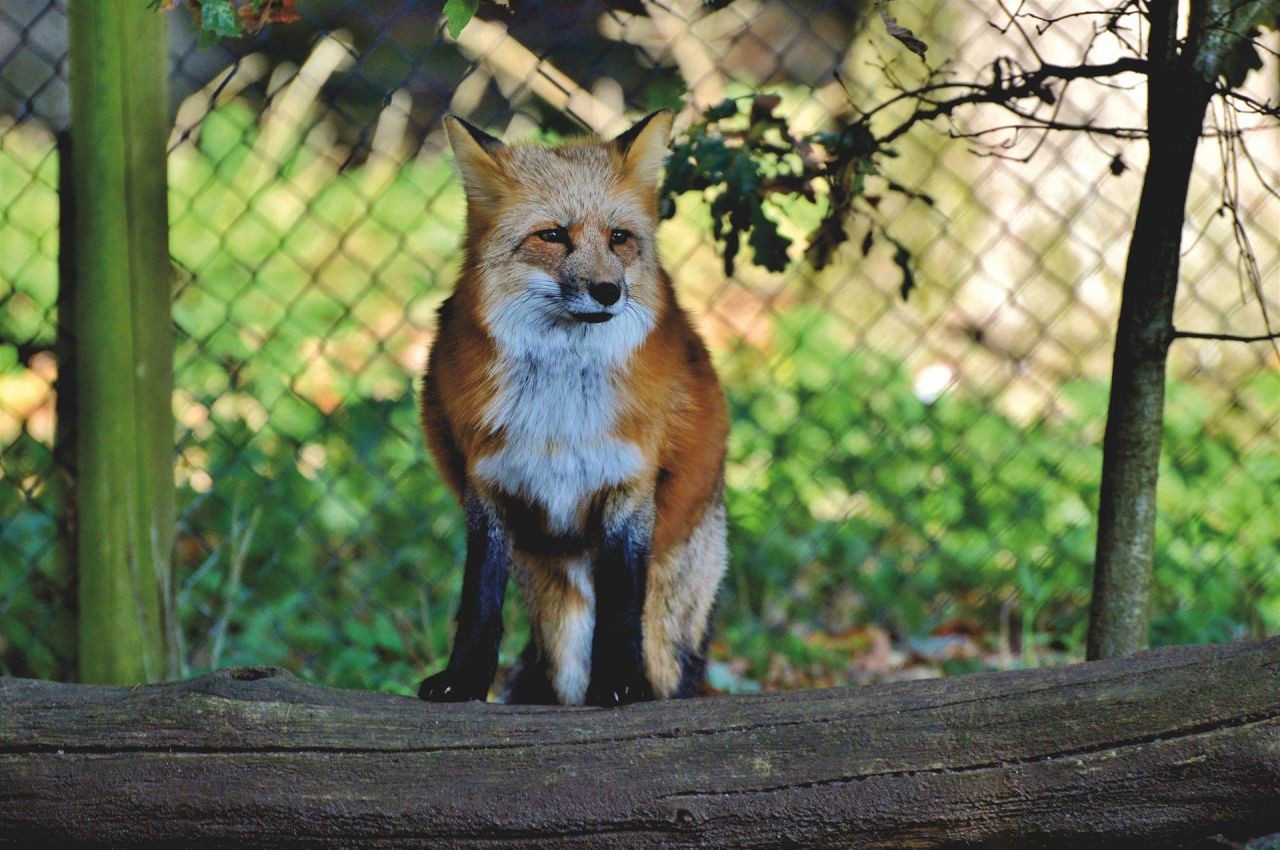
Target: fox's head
561, 239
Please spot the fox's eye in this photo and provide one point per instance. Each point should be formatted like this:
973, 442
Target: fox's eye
619, 237
554, 234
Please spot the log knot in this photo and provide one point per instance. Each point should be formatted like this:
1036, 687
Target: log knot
252, 674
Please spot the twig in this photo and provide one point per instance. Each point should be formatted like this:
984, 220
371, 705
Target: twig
238, 547
1177, 334
1029, 84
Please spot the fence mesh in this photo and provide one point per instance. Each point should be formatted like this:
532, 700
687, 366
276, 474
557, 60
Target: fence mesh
911, 484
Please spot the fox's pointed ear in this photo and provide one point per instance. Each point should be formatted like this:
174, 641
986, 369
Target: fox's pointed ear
644, 146
473, 150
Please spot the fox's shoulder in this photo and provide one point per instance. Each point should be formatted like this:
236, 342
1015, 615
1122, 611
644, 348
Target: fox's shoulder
459, 381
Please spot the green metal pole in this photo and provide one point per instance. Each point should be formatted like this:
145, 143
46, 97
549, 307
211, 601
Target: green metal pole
124, 344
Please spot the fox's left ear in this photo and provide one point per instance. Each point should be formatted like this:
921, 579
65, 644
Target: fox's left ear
473, 151
644, 146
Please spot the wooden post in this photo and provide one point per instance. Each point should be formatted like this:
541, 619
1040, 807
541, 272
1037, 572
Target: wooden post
124, 342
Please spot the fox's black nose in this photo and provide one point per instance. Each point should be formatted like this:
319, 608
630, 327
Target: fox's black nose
606, 293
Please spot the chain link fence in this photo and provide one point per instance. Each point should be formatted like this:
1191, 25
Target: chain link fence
911, 484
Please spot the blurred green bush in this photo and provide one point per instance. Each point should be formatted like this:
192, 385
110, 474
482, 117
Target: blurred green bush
872, 506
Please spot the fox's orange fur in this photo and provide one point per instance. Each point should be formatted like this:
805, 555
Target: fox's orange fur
565, 419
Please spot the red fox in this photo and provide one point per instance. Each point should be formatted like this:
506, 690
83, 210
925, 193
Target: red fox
574, 412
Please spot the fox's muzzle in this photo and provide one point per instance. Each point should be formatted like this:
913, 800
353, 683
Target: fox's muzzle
589, 300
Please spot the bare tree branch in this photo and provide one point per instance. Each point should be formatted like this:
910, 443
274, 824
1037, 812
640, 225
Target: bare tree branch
1177, 334
1256, 107
1002, 92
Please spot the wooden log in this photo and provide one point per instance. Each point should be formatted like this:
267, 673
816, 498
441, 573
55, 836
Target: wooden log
1164, 749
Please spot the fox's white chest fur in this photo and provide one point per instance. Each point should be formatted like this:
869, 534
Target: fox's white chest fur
556, 404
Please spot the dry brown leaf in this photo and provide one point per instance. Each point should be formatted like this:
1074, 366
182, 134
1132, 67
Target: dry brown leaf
901, 33
269, 12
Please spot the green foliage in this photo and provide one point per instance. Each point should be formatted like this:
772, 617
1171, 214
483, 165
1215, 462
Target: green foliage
1228, 46
28, 243
35, 624
743, 159
1246, 53
731, 167
458, 13
349, 572
218, 19
851, 501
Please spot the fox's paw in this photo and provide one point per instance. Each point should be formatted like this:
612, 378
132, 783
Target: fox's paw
454, 686
619, 686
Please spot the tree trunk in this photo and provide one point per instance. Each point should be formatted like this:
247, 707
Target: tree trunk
123, 339
1163, 750
1119, 617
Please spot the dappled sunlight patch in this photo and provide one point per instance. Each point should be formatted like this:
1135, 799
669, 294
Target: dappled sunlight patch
27, 401
192, 470
311, 460
243, 407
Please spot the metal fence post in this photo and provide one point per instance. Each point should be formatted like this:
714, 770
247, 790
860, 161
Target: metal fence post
124, 341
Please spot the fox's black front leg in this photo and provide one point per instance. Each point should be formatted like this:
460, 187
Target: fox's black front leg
474, 659
620, 575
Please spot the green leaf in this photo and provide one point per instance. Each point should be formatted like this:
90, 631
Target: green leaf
768, 246
726, 108
1244, 55
218, 19
664, 92
1227, 46
829, 235
458, 13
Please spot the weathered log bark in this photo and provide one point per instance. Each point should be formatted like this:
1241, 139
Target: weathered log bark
1163, 749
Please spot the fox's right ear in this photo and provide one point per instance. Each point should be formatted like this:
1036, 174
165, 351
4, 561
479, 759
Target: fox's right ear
644, 146
473, 150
